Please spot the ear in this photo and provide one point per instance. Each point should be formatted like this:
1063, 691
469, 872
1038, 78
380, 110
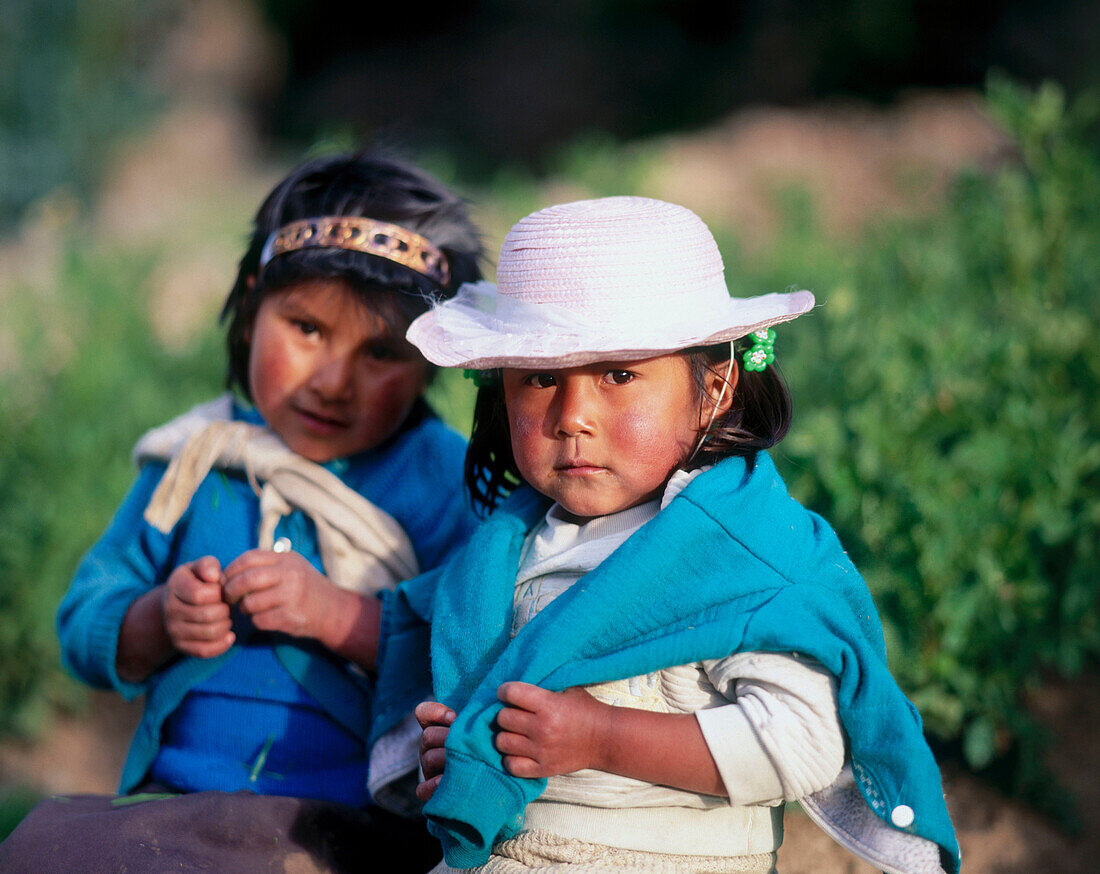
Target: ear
719, 390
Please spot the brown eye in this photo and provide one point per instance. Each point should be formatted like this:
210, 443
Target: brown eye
620, 377
540, 380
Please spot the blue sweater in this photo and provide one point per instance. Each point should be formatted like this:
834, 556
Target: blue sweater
416, 477
731, 564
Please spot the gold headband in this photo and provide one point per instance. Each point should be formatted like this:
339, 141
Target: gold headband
360, 235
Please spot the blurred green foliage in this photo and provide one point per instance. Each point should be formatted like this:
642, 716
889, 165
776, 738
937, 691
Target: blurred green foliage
949, 427
91, 376
74, 79
947, 420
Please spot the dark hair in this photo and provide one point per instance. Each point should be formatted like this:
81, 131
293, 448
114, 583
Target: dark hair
366, 184
758, 418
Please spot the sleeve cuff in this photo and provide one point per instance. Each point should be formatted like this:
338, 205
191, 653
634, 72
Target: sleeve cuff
474, 806
104, 629
744, 765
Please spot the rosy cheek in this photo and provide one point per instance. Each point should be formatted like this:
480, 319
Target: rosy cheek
388, 399
270, 375
650, 439
525, 434
391, 393
522, 427
637, 428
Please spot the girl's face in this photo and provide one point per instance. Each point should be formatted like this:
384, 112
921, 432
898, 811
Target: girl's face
603, 437
327, 373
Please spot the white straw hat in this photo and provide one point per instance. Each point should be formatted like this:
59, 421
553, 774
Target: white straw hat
618, 278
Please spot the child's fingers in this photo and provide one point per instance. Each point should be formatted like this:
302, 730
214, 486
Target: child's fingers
199, 623
433, 761
426, 790
250, 579
521, 766
186, 588
429, 713
208, 569
433, 737
523, 695
279, 618
207, 649
520, 722
201, 639
202, 614
257, 600
254, 558
511, 743
201, 636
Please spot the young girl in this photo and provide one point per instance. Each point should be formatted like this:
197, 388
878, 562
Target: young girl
236, 588
649, 646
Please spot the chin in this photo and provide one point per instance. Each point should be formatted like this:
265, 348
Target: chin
311, 451
317, 457
588, 509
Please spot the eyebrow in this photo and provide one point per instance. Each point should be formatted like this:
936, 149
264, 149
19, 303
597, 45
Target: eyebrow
294, 303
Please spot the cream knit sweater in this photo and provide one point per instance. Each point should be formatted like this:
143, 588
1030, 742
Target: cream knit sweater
769, 720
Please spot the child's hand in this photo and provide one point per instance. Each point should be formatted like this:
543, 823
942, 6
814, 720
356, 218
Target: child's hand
435, 719
196, 618
545, 733
282, 591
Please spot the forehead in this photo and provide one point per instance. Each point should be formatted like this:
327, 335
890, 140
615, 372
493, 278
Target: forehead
338, 301
670, 364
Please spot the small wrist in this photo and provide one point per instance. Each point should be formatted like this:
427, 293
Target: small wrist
159, 596
337, 607
155, 609
144, 643
604, 733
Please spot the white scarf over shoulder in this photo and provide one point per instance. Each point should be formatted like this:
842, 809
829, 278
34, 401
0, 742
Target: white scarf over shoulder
362, 547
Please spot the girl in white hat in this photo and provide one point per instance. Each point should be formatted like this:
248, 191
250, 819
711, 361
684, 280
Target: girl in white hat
648, 647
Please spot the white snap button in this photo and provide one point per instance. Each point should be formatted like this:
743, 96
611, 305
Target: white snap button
281, 545
902, 816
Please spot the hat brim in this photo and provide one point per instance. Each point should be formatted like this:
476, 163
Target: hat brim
479, 329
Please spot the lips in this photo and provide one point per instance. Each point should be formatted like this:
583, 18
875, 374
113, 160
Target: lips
320, 422
578, 466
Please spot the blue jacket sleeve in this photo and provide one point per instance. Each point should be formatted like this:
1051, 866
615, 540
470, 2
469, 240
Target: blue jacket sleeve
128, 560
404, 669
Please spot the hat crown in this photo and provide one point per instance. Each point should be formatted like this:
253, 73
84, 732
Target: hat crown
612, 279
612, 257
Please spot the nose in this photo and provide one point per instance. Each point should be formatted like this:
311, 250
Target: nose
575, 412
333, 378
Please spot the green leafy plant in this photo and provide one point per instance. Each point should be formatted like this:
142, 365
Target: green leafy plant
954, 433
90, 377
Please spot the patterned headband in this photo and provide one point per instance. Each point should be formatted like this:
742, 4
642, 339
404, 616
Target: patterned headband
360, 235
